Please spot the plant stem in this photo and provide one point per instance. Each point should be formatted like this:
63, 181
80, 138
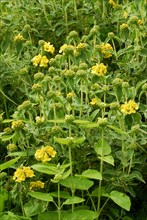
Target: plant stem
101, 171
94, 207
20, 199
59, 203
71, 168
81, 107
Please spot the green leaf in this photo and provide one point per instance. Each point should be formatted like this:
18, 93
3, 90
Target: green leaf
136, 175
7, 137
76, 182
3, 198
57, 121
63, 194
8, 163
81, 215
7, 121
121, 199
49, 215
90, 125
79, 140
42, 196
73, 200
92, 174
22, 153
64, 141
108, 159
118, 130
103, 192
81, 121
34, 207
125, 50
102, 148
143, 52
50, 169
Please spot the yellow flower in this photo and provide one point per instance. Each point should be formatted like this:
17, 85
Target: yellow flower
62, 48
45, 153
140, 22
49, 47
22, 173
99, 70
105, 48
129, 107
93, 101
70, 95
36, 60
123, 26
68, 49
43, 62
111, 2
37, 184
17, 124
19, 37
125, 15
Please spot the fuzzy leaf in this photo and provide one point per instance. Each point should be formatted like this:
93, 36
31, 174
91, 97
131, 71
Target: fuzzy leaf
42, 196
108, 159
102, 148
121, 199
76, 182
81, 215
8, 163
73, 200
92, 174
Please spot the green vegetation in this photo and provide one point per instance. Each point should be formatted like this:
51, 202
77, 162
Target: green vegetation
73, 109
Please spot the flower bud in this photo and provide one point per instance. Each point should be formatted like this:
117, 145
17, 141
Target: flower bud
117, 82
36, 87
41, 42
40, 120
39, 76
94, 30
69, 118
8, 130
11, 147
125, 85
102, 122
56, 79
105, 88
17, 125
114, 106
111, 35
73, 34
135, 128
83, 66
27, 27
81, 73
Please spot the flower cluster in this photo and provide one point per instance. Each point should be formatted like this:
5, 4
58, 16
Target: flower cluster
48, 47
36, 185
67, 49
17, 124
19, 37
99, 70
22, 173
45, 153
94, 101
111, 2
123, 26
105, 50
11, 147
42, 61
129, 107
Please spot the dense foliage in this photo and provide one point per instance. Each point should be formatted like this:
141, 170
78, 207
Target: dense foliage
73, 109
